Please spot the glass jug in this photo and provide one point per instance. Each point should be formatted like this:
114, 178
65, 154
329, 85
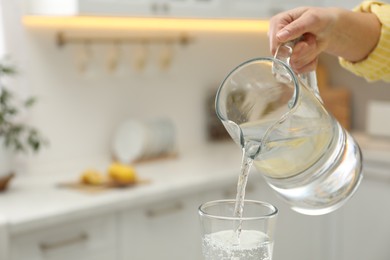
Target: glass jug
279, 120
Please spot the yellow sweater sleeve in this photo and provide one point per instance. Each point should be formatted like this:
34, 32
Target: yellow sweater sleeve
377, 65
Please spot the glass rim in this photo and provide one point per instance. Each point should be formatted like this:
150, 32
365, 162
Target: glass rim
273, 210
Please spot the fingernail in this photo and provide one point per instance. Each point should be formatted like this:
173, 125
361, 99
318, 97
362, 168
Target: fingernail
282, 35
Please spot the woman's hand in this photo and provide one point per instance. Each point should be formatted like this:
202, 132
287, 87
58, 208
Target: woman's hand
351, 35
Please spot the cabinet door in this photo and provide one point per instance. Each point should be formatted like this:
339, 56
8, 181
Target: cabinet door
166, 230
365, 230
263, 9
196, 8
248, 9
4, 248
91, 7
158, 8
117, 7
90, 239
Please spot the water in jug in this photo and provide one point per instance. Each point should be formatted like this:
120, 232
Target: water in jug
279, 120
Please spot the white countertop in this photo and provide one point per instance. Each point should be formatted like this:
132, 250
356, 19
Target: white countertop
33, 201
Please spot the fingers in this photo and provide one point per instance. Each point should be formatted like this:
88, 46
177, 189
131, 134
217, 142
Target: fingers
303, 22
290, 25
305, 54
314, 24
286, 26
308, 67
276, 24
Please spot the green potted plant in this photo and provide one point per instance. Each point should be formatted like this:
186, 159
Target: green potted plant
15, 135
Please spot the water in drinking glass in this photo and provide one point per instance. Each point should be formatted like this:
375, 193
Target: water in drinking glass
221, 245
219, 235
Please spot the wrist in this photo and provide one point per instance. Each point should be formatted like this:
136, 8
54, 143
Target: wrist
355, 36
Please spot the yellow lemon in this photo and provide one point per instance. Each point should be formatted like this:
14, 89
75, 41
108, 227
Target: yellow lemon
121, 173
92, 177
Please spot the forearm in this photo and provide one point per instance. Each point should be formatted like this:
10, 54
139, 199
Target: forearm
355, 35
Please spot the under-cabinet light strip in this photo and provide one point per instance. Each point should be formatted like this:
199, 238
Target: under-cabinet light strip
131, 23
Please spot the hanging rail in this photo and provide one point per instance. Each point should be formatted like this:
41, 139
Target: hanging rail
182, 39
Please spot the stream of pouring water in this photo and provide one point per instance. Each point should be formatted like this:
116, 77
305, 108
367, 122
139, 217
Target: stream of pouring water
246, 165
250, 150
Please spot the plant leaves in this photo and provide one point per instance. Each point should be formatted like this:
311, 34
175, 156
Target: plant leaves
30, 102
18, 137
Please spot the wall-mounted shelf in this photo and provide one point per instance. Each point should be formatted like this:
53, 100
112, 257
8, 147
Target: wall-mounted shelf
115, 46
181, 39
142, 23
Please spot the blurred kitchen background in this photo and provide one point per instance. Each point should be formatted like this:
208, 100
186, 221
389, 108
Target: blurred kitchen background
94, 78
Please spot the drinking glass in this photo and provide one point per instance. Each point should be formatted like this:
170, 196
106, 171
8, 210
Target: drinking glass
225, 237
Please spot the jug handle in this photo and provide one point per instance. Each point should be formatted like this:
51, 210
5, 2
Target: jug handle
310, 78
283, 54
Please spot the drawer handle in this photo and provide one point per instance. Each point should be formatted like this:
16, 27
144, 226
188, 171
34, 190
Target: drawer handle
66, 242
153, 213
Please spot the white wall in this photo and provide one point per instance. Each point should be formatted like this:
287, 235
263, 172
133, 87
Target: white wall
2, 43
79, 113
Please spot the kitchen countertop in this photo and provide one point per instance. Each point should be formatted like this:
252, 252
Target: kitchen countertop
36, 201
33, 201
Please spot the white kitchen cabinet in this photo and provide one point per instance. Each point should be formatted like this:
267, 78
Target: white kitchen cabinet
364, 230
257, 9
253, 9
169, 229
277, 6
163, 230
90, 7
264, 9
195, 8
249, 8
117, 7
88, 239
4, 248
154, 8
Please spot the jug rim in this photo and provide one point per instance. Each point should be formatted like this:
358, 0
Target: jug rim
272, 59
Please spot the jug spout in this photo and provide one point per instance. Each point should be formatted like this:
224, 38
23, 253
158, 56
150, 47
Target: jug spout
234, 131
251, 103
251, 147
